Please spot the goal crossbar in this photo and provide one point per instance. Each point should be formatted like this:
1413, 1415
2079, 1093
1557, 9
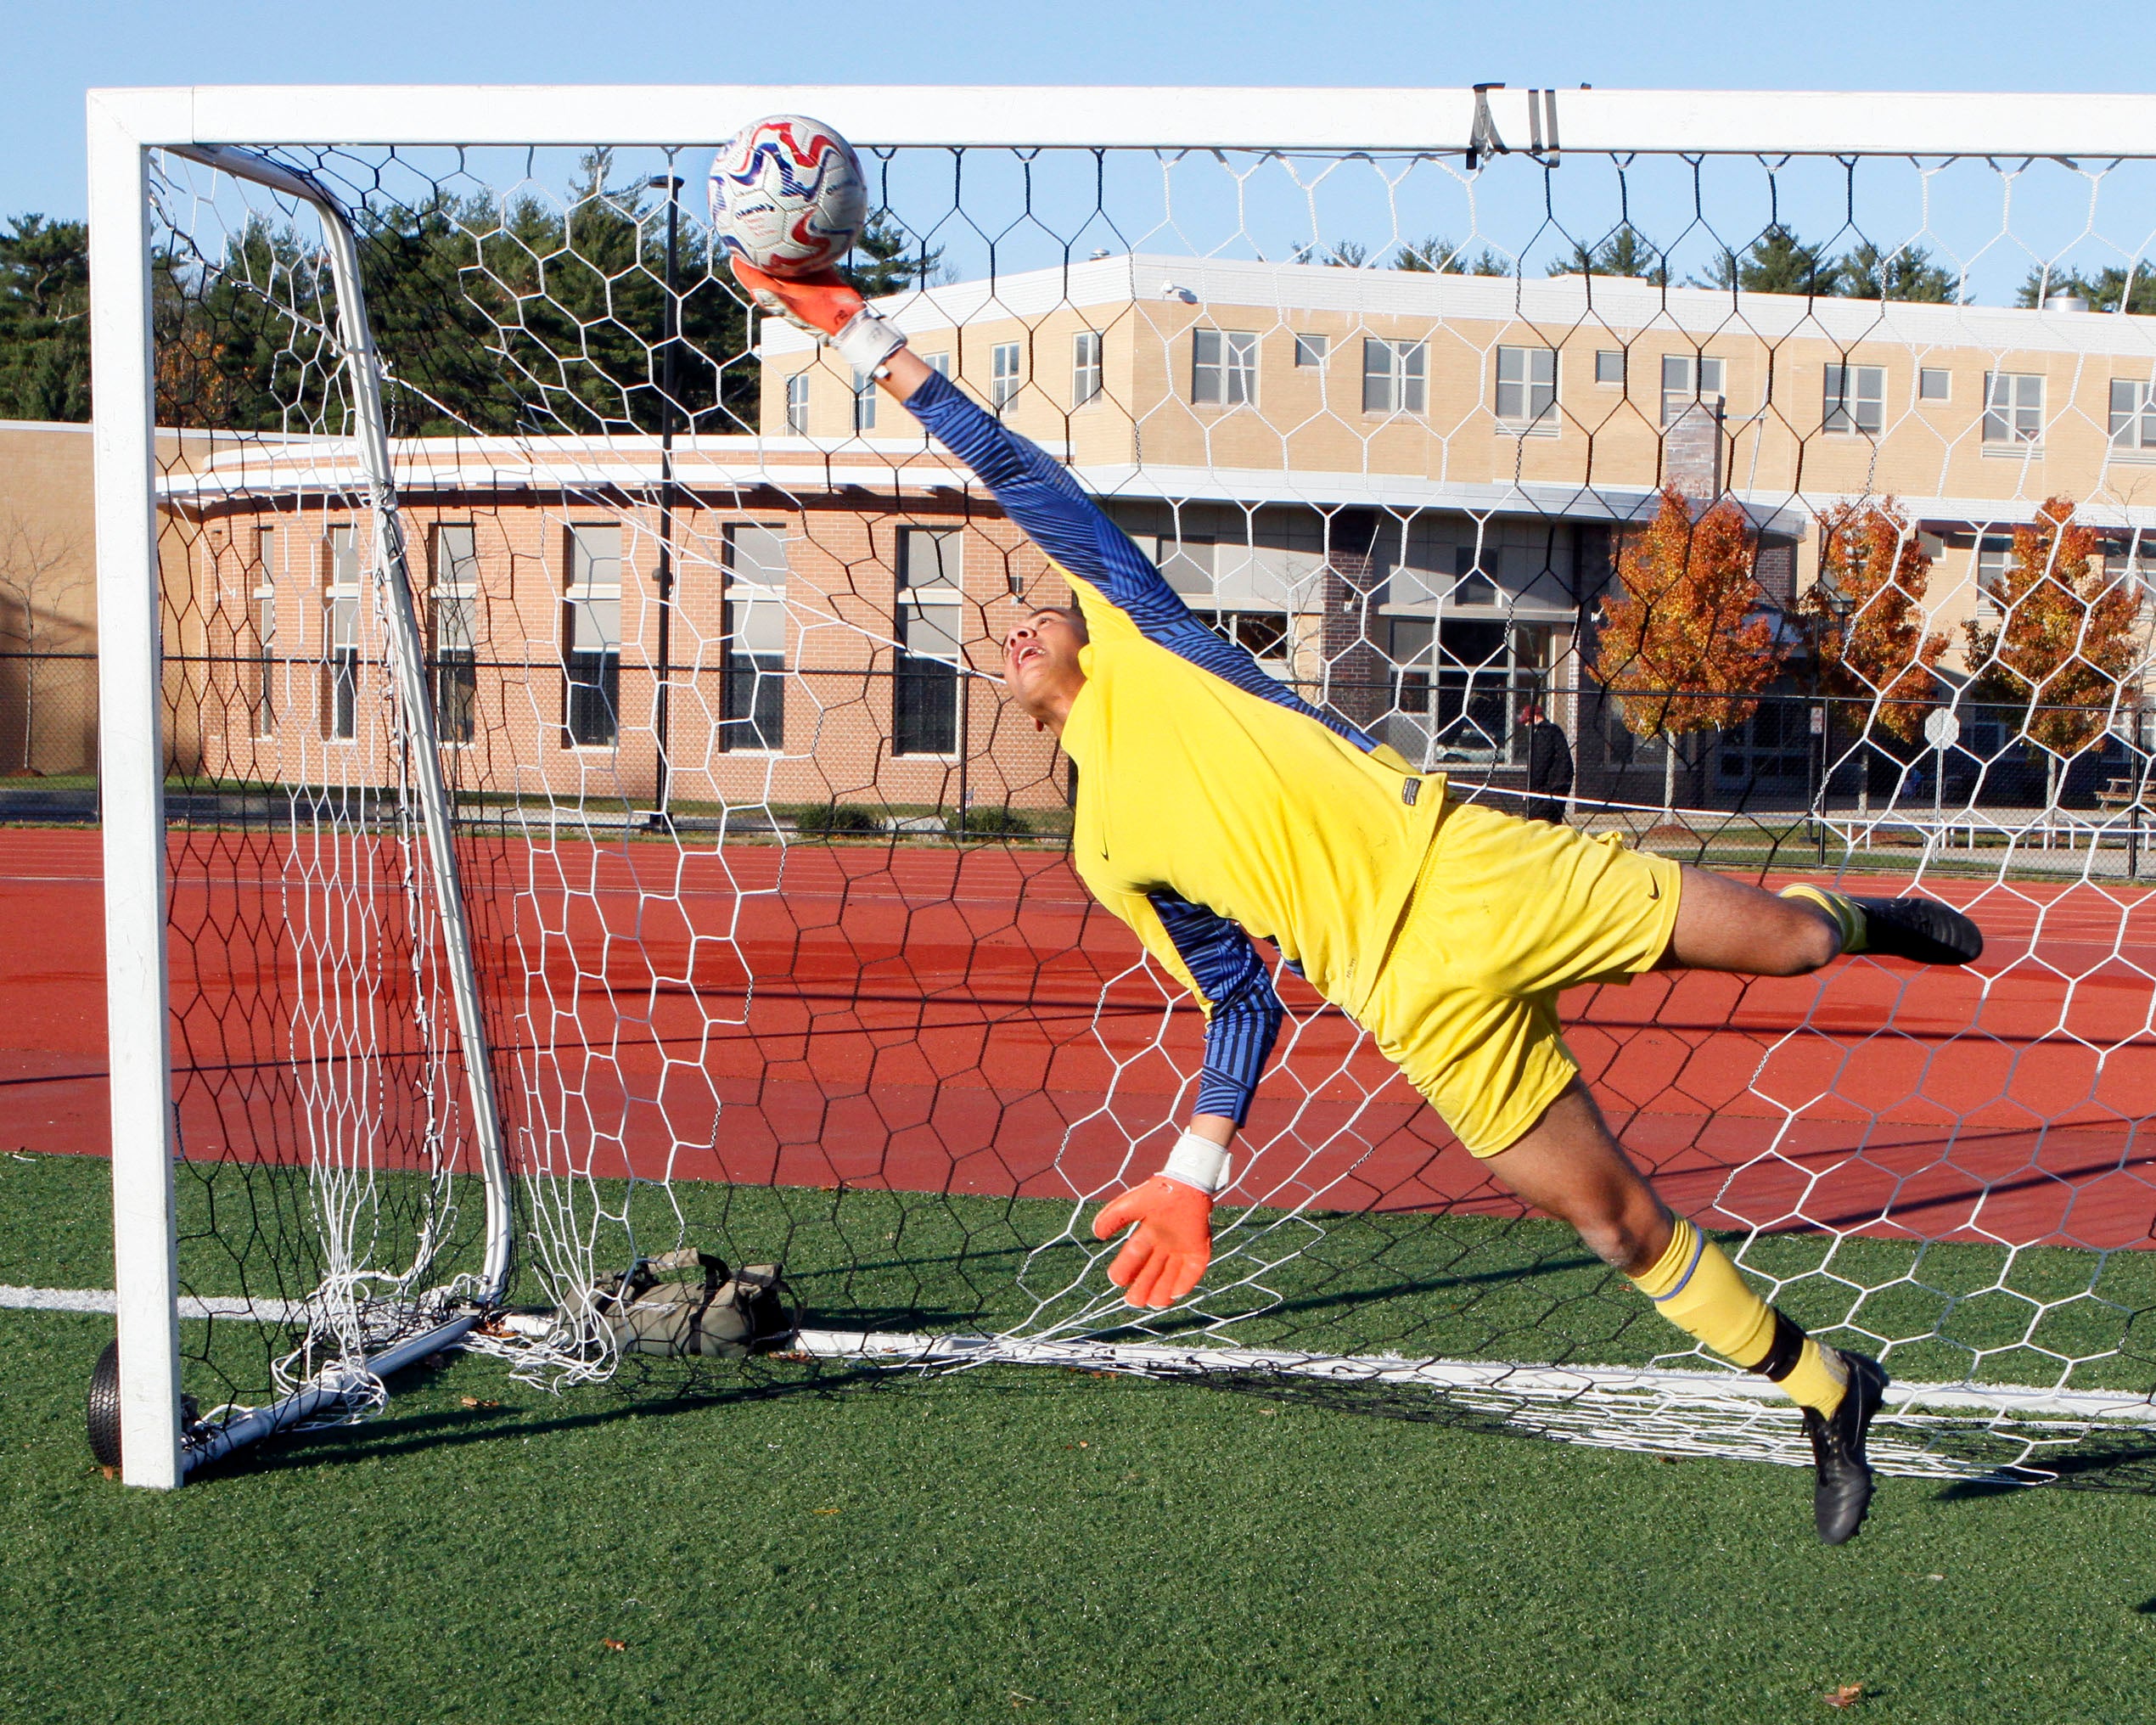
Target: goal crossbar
1197, 118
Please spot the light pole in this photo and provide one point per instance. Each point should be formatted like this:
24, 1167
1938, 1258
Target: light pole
672, 331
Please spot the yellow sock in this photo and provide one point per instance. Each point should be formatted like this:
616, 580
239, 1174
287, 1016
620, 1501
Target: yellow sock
1838, 905
1695, 1286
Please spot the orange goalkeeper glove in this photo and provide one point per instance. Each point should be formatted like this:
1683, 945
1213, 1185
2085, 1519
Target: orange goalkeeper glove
822, 304
1168, 1250
819, 302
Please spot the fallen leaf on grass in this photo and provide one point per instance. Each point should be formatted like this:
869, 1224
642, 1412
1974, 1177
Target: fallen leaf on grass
473, 1402
613, 1646
1848, 1695
827, 1512
110, 1473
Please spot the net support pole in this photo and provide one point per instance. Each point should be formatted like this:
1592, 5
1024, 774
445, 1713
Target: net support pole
356, 340
131, 784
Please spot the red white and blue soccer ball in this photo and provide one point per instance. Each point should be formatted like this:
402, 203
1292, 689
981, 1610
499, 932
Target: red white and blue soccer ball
787, 194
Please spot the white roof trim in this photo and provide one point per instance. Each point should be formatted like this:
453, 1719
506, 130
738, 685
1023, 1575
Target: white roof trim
1552, 305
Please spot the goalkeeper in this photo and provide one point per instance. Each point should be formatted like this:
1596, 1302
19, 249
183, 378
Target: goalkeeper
1214, 803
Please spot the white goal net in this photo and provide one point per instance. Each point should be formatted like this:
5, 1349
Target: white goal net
591, 825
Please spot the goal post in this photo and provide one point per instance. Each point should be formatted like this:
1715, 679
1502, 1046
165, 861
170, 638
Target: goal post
134, 757
557, 808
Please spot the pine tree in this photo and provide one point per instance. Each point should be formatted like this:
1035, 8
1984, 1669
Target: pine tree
1777, 262
1682, 645
44, 320
2105, 290
885, 260
1624, 252
1867, 273
1435, 256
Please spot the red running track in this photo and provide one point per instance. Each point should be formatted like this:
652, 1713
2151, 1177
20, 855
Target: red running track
925, 1020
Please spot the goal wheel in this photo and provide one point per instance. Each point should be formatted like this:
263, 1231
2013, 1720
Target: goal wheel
104, 1407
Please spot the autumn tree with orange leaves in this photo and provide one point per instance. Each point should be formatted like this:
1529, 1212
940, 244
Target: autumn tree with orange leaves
2065, 637
1865, 616
1683, 646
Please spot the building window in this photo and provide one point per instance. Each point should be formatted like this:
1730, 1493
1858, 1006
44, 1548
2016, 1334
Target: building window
455, 631
1004, 382
797, 388
1312, 350
265, 609
340, 637
1085, 367
1687, 378
924, 693
1610, 366
939, 363
1459, 684
752, 665
1471, 583
592, 638
1395, 376
2013, 409
1775, 743
1855, 399
1262, 634
1187, 563
864, 401
1994, 558
1223, 367
1935, 385
2133, 414
1527, 387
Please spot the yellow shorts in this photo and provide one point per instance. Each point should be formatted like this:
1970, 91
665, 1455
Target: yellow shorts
1506, 913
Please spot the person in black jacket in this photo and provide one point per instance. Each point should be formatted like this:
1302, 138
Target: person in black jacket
1549, 766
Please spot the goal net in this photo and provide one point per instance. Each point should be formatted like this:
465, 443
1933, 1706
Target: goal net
591, 825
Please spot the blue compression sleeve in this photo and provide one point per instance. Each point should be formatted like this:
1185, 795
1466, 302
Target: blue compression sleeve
1245, 1014
1055, 513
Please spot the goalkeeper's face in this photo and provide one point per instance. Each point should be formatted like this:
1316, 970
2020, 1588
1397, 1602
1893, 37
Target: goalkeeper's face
1040, 667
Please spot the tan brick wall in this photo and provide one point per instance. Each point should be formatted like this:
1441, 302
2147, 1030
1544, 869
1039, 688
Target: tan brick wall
48, 600
1773, 449
838, 724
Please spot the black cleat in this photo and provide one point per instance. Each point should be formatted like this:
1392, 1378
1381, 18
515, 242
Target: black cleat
1922, 929
1843, 1491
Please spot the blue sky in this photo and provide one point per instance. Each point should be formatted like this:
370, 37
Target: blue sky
57, 50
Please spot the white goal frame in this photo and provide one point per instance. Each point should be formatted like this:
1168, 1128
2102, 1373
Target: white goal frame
220, 123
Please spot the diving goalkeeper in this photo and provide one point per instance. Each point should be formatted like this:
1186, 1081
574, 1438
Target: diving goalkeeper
1214, 805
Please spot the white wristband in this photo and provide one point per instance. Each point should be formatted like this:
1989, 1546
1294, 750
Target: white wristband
866, 340
1198, 1161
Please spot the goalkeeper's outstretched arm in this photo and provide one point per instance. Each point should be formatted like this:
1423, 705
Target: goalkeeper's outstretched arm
1033, 490
1169, 1215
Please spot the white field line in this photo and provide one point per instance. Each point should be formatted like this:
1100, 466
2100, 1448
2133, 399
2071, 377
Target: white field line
1610, 1386
1537, 1383
103, 1300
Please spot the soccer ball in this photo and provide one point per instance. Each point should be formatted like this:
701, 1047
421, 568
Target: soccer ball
788, 195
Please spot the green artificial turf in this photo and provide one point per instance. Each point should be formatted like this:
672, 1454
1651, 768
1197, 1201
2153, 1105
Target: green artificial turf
791, 1544
1017, 1545
1456, 1286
